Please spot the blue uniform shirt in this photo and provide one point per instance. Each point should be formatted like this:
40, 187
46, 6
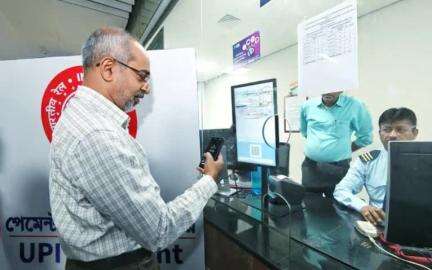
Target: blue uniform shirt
328, 130
372, 175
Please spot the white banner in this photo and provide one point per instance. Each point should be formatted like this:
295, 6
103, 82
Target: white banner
33, 92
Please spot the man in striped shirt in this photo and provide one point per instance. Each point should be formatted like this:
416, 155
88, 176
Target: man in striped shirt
105, 203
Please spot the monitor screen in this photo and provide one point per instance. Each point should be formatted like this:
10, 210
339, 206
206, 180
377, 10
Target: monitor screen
409, 194
254, 108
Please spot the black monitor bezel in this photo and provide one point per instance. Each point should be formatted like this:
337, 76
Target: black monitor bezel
233, 88
395, 148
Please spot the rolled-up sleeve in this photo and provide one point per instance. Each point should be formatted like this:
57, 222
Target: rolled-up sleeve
362, 126
348, 188
120, 186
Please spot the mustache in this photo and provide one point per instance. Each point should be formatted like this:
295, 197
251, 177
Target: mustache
140, 95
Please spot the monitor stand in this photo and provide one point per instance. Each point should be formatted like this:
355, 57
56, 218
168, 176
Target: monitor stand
224, 188
226, 192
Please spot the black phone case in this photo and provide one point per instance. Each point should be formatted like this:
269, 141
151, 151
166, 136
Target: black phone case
214, 147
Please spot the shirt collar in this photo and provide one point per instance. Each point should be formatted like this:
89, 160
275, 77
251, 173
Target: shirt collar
340, 102
103, 105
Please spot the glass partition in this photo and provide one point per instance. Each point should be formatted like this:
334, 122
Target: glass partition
377, 53
393, 57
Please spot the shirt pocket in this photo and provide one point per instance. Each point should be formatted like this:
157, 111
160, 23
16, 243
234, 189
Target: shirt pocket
320, 124
342, 129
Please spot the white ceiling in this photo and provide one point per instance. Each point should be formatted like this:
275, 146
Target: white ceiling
40, 28
277, 22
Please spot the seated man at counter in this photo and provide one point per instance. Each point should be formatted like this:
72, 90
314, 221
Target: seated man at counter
370, 169
327, 123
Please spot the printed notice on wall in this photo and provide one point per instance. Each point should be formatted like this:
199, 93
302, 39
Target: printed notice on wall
292, 105
327, 51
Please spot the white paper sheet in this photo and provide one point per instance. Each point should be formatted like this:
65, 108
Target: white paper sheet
327, 51
292, 113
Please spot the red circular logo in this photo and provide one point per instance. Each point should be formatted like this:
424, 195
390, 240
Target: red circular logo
59, 90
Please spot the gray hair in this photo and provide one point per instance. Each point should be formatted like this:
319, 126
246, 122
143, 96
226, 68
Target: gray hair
103, 42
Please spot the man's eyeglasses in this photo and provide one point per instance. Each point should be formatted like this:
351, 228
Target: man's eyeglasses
397, 129
143, 74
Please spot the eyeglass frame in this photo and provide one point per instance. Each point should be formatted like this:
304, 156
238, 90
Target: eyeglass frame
143, 74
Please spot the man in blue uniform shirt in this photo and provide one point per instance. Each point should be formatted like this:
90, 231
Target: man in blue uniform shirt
370, 170
328, 123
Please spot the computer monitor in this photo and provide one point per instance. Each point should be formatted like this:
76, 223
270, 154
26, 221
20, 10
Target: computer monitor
254, 108
409, 194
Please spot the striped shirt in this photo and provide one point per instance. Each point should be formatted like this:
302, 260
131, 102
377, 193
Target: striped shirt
104, 200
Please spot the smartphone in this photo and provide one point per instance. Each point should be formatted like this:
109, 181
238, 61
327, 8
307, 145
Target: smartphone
214, 147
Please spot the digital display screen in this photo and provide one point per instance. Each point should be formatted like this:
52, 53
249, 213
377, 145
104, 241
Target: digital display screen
254, 104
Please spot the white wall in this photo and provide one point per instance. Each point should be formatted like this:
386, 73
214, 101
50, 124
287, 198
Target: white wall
395, 62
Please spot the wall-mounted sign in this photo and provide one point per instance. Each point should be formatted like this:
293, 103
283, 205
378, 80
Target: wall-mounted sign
247, 50
292, 105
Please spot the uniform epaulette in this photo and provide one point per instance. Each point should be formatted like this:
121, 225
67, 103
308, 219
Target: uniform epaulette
369, 156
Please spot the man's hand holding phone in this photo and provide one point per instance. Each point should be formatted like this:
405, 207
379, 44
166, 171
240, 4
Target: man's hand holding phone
212, 161
212, 167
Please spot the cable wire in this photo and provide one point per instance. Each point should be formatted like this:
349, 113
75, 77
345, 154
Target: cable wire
391, 254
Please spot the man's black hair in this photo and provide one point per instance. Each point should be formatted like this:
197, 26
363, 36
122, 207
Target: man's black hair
397, 114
